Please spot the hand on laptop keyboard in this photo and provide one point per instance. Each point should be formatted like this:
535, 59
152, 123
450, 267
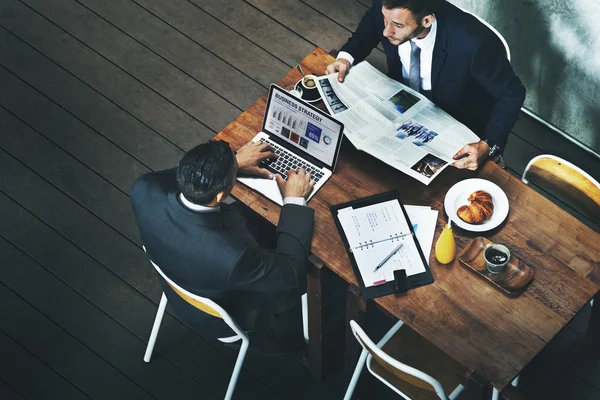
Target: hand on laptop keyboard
298, 184
251, 156
285, 161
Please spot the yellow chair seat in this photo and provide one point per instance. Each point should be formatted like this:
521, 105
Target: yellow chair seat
410, 348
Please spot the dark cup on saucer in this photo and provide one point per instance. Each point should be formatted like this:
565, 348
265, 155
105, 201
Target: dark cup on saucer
308, 86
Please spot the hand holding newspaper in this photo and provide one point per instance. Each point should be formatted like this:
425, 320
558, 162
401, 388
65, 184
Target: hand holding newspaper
393, 123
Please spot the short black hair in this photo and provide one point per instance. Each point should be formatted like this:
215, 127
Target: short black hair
418, 8
206, 170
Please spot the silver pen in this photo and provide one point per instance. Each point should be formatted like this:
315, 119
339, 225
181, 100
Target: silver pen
388, 257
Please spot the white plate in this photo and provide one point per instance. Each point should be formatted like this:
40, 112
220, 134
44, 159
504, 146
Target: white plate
458, 194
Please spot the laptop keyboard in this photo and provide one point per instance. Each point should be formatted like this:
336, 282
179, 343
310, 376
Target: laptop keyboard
287, 160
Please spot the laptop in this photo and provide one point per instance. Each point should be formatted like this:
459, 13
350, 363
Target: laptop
302, 136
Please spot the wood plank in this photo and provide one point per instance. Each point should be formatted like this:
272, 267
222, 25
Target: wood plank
8, 393
277, 39
311, 25
102, 75
518, 152
69, 133
18, 366
346, 13
224, 41
68, 175
589, 372
94, 329
567, 386
179, 50
289, 377
63, 353
93, 281
163, 78
91, 107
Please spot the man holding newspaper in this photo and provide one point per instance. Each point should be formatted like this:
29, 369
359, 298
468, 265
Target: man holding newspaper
450, 57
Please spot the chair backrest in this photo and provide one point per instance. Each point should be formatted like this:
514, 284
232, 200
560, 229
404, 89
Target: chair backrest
422, 380
201, 303
568, 180
493, 30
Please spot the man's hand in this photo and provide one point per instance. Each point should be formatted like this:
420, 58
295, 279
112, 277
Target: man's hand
298, 184
476, 155
340, 65
250, 154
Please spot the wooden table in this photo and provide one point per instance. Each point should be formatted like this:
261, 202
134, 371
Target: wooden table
489, 333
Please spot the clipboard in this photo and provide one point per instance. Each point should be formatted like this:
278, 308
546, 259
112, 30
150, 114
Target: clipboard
408, 282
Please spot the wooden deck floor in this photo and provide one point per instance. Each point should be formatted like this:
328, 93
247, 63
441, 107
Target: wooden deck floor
93, 94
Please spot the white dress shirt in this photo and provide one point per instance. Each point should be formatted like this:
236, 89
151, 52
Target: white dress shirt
426, 44
301, 201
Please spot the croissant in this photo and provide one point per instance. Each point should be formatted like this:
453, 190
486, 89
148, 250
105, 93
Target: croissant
479, 210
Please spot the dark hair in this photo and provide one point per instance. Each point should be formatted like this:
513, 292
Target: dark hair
206, 170
418, 8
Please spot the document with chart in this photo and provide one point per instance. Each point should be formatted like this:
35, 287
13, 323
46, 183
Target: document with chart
393, 123
381, 233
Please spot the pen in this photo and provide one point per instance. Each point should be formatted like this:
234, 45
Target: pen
388, 257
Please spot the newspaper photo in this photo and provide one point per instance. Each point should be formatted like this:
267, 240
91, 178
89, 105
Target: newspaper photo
394, 123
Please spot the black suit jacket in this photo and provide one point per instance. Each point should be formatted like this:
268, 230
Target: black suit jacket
471, 78
214, 255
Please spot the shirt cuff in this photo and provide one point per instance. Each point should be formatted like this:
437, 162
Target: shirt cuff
301, 201
346, 56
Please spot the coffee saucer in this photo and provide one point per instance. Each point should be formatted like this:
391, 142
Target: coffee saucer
308, 95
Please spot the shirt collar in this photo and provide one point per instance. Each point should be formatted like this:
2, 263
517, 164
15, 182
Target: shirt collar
428, 40
197, 207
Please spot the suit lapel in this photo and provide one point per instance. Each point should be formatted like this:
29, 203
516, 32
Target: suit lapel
439, 52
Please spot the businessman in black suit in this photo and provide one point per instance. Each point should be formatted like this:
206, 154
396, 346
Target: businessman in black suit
449, 56
206, 247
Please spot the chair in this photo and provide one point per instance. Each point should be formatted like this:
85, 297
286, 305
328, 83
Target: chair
386, 361
210, 307
405, 362
493, 30
568, 180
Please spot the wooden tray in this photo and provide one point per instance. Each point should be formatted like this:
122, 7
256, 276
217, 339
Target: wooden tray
512, 281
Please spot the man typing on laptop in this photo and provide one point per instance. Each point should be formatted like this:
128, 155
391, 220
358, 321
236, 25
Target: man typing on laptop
207, 247
301, 136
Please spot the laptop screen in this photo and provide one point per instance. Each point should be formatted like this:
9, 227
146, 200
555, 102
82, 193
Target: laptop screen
300, 126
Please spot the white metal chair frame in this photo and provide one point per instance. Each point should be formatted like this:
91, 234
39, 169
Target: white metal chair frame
239, 333
487, 24
366, 357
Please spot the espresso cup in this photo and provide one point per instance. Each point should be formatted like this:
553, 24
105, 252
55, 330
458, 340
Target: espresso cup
496, 257
309, 82
296, 91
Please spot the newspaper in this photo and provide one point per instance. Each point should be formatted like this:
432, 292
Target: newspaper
394, 123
